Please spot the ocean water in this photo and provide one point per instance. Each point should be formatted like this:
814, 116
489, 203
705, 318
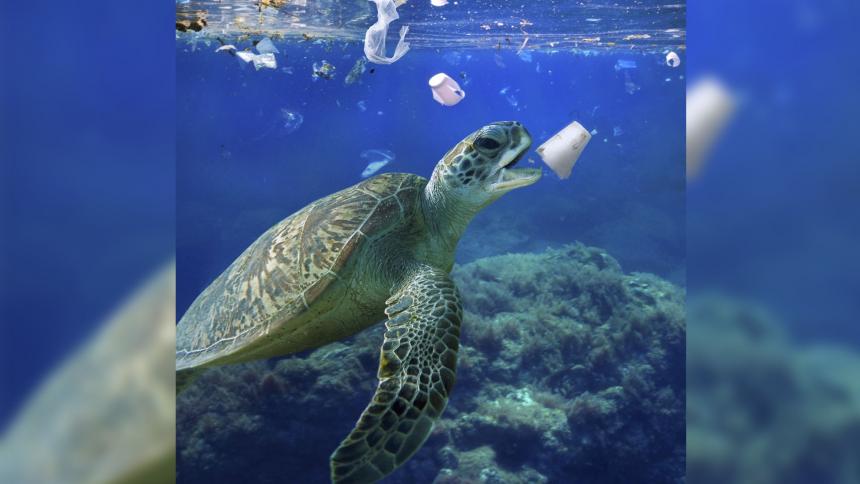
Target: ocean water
254, 146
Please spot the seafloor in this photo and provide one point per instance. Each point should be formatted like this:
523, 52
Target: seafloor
569, 371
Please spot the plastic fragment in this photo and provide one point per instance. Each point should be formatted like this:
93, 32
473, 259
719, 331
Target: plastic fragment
266, 46
377, 159
362, 105
323, 70
357, 70
446, 91
672, 60
617, 131
710, 106
562, 150
624, 64
510, 97
292, 120
374, 39
265, 60
438, 3
629, 86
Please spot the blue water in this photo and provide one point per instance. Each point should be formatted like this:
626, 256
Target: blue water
254, 146
771, 220
241, 170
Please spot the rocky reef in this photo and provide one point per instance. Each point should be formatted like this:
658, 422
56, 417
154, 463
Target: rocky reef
569, 371
763, 408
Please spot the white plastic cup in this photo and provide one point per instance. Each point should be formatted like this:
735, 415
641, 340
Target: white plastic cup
710, 106
438, 3
446, 91
562, 150
672, 60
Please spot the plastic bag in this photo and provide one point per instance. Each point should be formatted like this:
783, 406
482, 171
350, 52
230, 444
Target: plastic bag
374, 39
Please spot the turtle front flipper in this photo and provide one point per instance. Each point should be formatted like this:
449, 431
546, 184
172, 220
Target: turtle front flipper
416, 373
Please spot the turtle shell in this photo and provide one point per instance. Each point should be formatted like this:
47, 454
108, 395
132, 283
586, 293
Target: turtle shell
288, 268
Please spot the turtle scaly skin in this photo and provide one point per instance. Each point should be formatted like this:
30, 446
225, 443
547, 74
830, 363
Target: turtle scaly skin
379, 250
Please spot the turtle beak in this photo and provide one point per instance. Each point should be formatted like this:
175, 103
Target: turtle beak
508, 177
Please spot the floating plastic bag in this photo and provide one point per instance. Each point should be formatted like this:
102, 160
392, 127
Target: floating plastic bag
562, 150
374, 40
246, 56
266, 46
265, 60
446, 91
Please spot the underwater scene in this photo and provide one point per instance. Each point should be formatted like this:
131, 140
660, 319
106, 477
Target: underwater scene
552, 293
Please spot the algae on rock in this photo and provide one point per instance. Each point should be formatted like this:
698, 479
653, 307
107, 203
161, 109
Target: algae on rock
568, 370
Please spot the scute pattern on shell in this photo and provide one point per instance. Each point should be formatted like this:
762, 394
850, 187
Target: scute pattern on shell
289, 267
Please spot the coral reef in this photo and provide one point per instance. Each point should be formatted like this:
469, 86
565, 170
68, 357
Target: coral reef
763, 409
569, 371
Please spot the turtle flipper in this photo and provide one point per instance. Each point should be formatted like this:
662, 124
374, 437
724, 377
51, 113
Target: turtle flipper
416, 373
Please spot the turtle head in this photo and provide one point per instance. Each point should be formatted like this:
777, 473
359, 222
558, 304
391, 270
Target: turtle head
480, 168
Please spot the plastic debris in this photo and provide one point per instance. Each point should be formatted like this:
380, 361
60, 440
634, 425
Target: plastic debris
323, 70
264, 58
562, 150
499, 62
453, 58
710, 106
374, 39
377, 159
617, 131
362, 105
672, 60
525, 56
510, 97
292, 120
623, 64
523, 45
287, 70
465, 77
357, 70
438, 3
629, 86
266, 46
594, 132
446, 91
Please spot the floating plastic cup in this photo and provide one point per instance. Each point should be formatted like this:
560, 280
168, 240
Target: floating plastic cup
438, 3
562, 150
709, 108
672, 59
446, 91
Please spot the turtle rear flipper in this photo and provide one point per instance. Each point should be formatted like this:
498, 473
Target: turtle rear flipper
416, 372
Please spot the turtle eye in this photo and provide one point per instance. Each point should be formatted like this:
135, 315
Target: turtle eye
487, 144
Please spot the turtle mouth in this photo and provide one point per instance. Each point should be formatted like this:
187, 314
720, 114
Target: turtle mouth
509, 177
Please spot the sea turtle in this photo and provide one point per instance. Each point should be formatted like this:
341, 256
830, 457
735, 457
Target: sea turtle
380, 249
